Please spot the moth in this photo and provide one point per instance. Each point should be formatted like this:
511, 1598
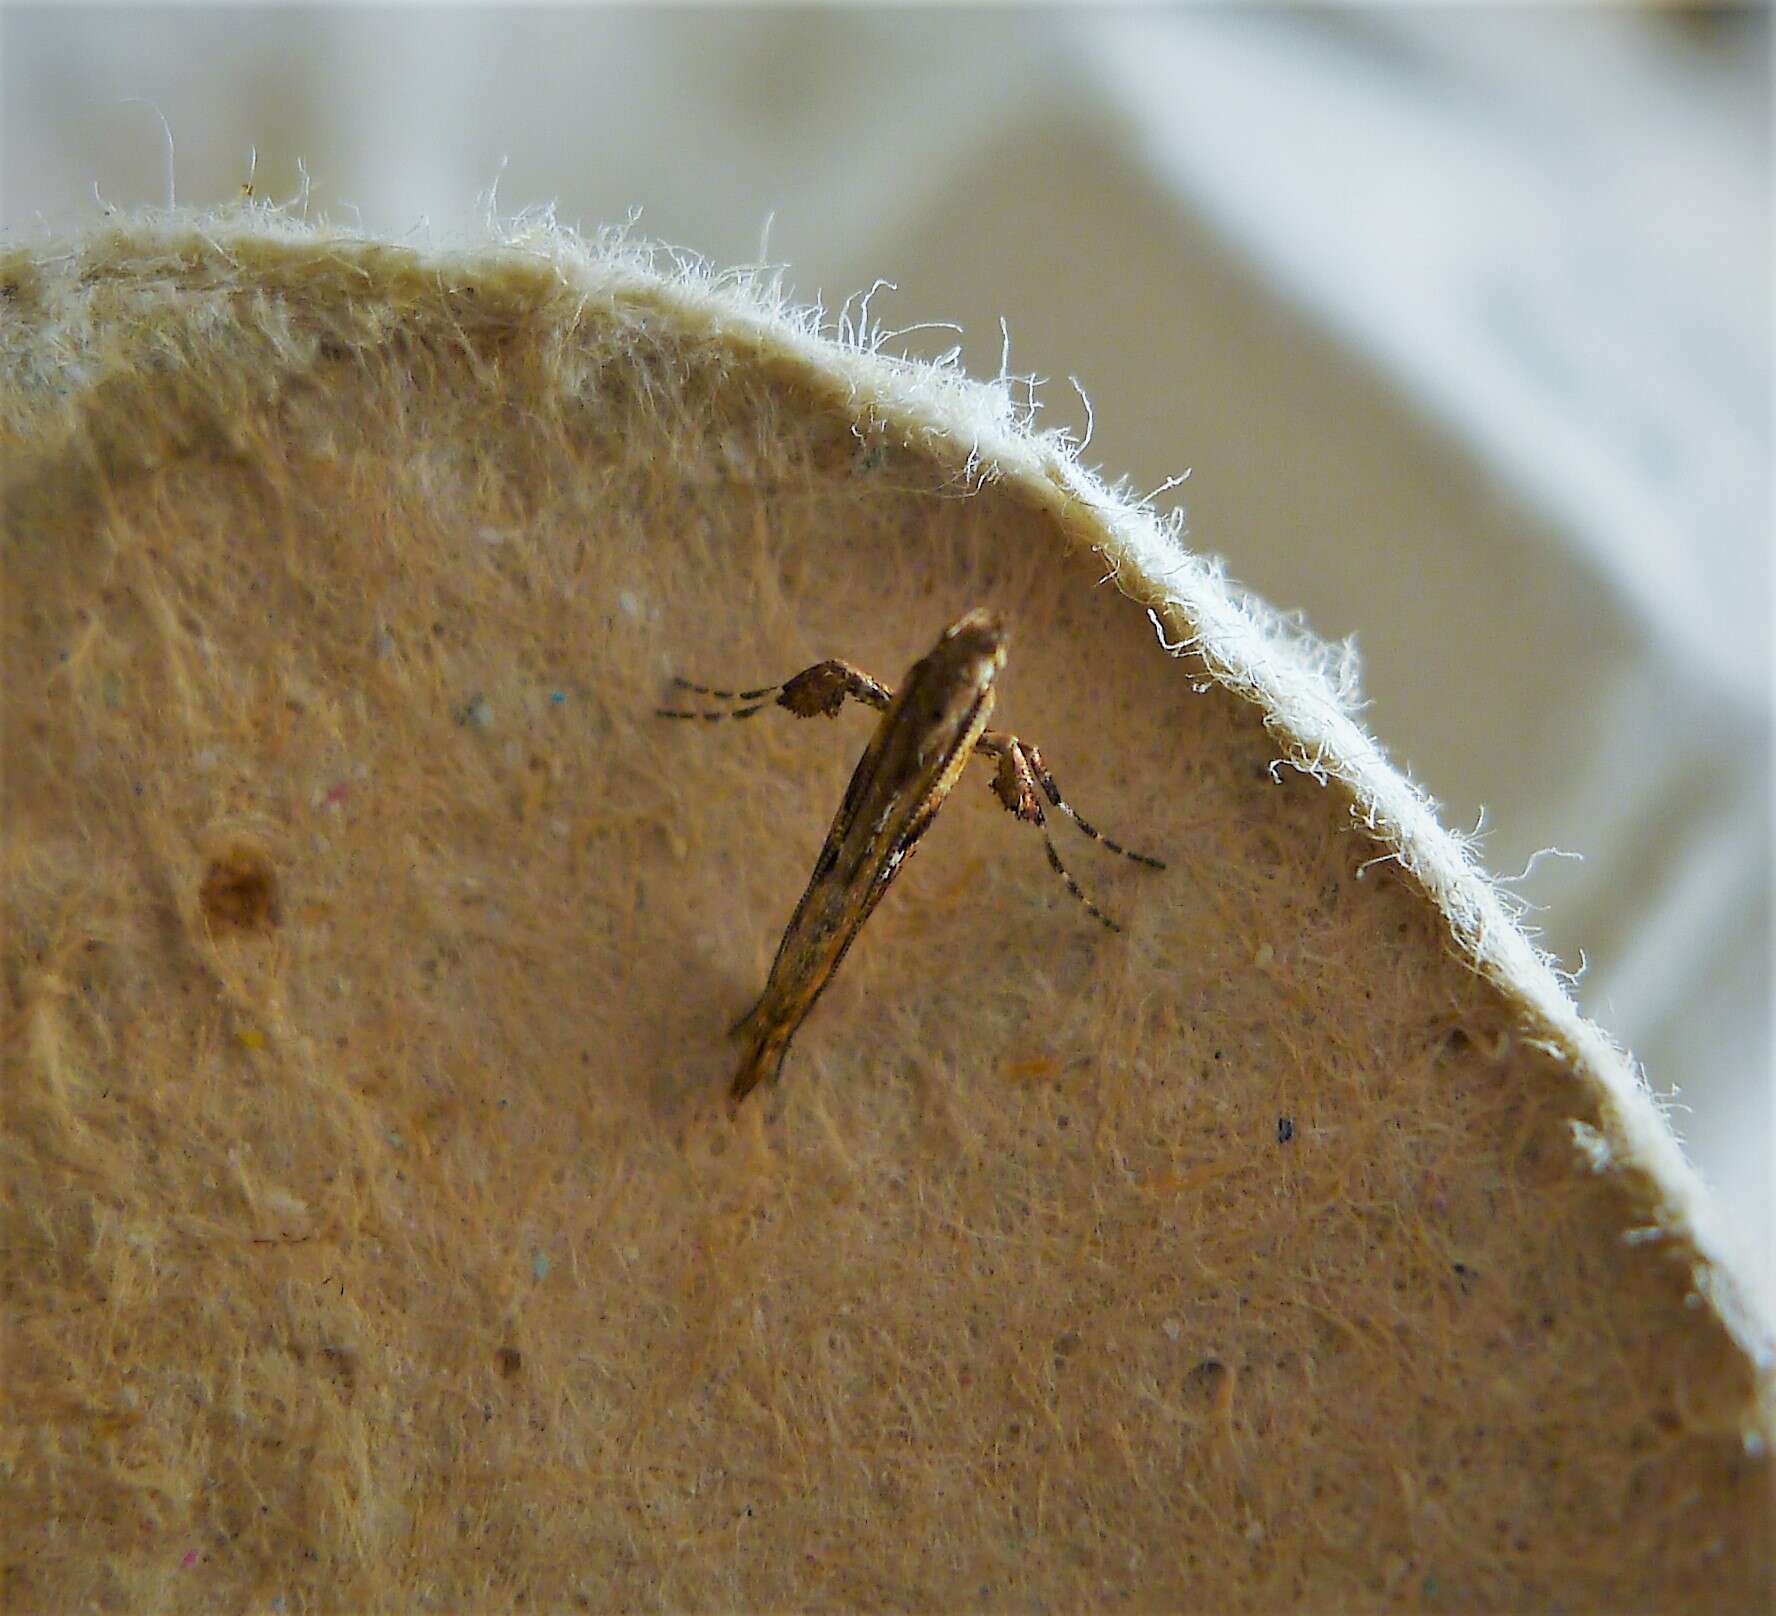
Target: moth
929, 731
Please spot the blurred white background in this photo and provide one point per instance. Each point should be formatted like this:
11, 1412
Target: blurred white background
1462, 320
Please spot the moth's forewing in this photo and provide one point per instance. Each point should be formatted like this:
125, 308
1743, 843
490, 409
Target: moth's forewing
912, 761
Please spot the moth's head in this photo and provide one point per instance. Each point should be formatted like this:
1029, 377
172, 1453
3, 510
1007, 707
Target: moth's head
979, 635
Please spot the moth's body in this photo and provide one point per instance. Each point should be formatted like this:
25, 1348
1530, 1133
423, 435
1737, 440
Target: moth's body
927, 734
918, 752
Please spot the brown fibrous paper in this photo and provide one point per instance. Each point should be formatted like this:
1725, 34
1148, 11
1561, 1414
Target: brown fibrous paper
376, 1232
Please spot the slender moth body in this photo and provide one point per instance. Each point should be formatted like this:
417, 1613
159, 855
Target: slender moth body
928, 732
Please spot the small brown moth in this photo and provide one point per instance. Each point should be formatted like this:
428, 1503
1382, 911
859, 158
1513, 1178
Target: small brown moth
928, 732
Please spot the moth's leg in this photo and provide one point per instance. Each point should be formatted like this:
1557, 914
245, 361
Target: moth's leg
1040, 769
757, 701
817, 691
820, 691
1015, 785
